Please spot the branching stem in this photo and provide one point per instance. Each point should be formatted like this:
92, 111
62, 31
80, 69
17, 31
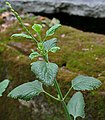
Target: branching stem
45, 56
62, 100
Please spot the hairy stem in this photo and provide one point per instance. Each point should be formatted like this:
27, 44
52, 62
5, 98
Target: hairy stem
62, 100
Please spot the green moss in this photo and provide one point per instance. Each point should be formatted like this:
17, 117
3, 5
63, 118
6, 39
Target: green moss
95, 106
1, 21
14, 66
81, 53
2, 47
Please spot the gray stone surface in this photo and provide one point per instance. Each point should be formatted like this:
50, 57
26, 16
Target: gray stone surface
90, 8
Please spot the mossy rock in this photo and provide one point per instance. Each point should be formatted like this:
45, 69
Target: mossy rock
81, 53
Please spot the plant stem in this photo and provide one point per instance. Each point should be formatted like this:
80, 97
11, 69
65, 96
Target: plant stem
46, 58
20, 21
62, 100
44, 39
67, 93
39, 37
51, 96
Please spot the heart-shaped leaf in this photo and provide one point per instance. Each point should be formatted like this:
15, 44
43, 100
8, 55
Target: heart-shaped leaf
85, 83
76, 105
27, 90
21, 35
52, 30
3, 86
45, 72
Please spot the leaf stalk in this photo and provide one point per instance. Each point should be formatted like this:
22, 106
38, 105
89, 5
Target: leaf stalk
51, 96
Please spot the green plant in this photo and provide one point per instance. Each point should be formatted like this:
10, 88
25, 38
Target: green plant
3, 86
46, 73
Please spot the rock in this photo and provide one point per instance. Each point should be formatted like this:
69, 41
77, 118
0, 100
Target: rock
89, 8
81, 53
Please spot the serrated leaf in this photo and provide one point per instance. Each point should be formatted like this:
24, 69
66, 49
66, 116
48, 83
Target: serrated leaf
33, 55
45, 72
85, 83
76, 105
22, 35
54, 49
3, 86
27, 90
52, 30
50, 44
37, 28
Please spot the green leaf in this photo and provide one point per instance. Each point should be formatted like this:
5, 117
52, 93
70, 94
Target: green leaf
76, 105
21, 35
37, 28
3, 86
85, 83
54, 49
40, 46
33, 55
52, 30
50, 44
27, 90
45, 72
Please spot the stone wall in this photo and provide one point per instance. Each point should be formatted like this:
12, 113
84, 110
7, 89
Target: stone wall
90, 8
